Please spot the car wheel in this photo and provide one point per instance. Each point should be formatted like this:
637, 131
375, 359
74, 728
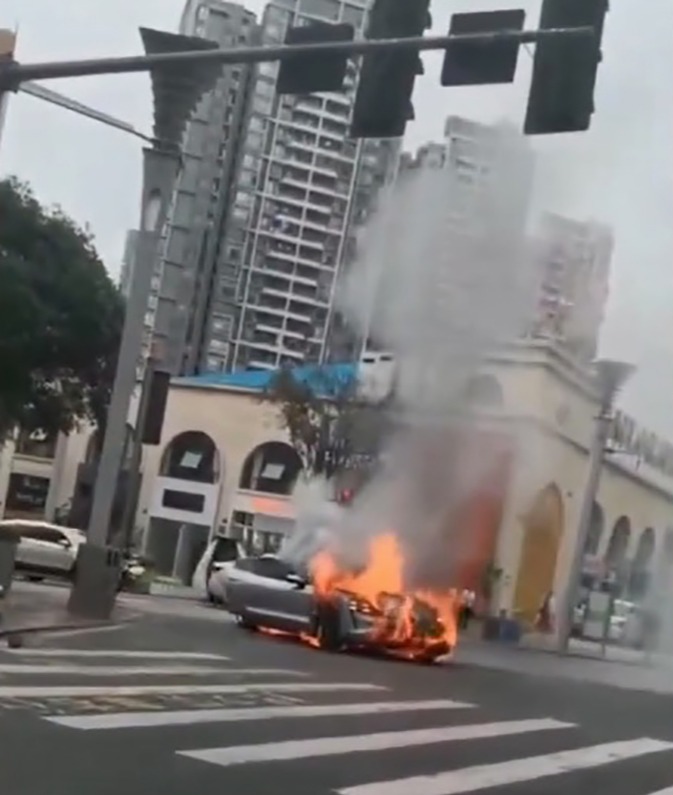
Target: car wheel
243, 623
328, 631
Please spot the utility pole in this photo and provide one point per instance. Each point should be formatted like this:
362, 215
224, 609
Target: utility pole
97, 571
610, 376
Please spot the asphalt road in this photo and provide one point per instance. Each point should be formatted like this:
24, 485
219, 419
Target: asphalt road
177, 705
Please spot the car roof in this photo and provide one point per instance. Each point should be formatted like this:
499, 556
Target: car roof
28, 523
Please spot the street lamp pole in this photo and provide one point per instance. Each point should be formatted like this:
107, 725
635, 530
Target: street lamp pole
175, 95
610, 376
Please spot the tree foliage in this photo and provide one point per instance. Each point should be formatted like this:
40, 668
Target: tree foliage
60, 319
331, 425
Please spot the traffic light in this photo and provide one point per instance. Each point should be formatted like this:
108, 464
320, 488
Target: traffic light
561, 95
308, 73
470, 63
383, 101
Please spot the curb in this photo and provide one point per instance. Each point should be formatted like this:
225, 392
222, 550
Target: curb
33, 629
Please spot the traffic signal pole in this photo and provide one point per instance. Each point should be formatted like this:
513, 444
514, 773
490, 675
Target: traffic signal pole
13, 74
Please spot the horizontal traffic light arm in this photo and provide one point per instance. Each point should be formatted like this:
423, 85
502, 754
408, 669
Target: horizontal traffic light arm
13, 74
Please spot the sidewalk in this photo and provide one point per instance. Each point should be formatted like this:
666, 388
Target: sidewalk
586, 649
33, 608
581, 665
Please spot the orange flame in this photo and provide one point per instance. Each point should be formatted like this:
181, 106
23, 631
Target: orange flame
381, 585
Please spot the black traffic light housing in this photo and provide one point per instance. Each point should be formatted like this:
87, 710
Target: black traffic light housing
470, 63
561, 95
383, 101
306, 73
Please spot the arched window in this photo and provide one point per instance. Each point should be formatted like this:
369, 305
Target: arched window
36, 444
191, 455
595, 530
484, 391
272, 467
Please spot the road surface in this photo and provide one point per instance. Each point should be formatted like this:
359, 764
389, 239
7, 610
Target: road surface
172, 704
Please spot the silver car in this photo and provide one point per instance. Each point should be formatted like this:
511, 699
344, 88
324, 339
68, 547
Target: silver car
267, 592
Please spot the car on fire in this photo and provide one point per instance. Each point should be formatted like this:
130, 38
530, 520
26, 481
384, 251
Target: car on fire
268, 593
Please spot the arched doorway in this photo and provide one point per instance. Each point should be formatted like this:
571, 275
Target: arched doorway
640, 575
596, 526
543, 530
186, 499
615, 554
668, 546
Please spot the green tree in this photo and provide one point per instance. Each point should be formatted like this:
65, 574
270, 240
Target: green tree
60, 319
330, 425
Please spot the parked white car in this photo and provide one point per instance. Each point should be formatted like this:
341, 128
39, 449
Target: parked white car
220, 553
45, 549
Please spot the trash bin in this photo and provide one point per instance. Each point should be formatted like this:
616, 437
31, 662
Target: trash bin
8, 543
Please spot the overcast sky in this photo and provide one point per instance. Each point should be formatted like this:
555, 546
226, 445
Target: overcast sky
620, 172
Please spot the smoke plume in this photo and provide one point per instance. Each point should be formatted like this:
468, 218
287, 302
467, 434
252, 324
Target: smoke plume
442, 278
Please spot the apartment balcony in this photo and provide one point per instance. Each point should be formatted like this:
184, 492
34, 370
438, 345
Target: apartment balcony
292, 182
274, 291
325, 209
267, 329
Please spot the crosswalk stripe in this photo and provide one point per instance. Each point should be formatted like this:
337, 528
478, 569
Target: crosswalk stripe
125, 720
76, 691
332, 746
142, 670
515, 771
120, 653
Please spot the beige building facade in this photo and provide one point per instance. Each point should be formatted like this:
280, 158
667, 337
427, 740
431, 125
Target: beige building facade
224, 465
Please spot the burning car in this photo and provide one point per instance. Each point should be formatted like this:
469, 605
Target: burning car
337, 610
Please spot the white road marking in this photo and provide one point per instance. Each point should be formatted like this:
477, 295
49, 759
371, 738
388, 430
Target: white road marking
331, 746
667, 791
140, 670
515, 771
121, 653
79, 691
126, 720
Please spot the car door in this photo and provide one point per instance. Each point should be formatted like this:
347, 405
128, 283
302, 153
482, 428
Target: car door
33, 549
60, 551
284, 604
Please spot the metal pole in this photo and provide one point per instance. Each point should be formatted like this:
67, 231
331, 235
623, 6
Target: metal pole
130, 505
54, 98
610, 377
160, 169
13, 74
598, 444
124, 384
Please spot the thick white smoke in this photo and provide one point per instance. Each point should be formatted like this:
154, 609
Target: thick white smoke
442, 278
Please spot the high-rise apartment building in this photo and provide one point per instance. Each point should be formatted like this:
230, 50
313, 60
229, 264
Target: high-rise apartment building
572, 263
192, 298
448, 281
302, 190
